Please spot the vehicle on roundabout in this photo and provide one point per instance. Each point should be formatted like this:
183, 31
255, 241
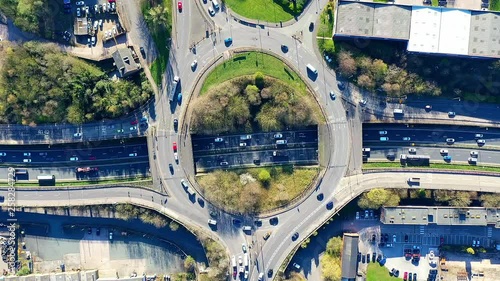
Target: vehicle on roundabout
332, 95
228, 41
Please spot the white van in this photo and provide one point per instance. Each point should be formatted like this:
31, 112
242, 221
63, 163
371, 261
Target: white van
233, 261
184, 184
245, 260
281, 142
212, 222
247, 228
311, 69
216, 4
261, 276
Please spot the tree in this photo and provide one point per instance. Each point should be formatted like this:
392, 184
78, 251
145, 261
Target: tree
334, 246
174, 226
377, 198
264, 177
379, 69
23, 271
461, 199
491, 200
330, 268
253, 95
347, 64
157, 17
259, 80
470, 251
365, 81
189, 264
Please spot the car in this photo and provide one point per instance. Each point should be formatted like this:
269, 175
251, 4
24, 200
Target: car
382, 133
451, 114
266, 236
224, 163
284, 48
77, 135
394, 238
443, 151
405, 276
340, 85
98, 231
113, 30
174, 146
219, 140
78, 13
243, 144
134, 122
93, 40
270, 273
228, 41
194, 64
295, 236
27, 154
412, 150
481, 142
410, 276
3, 154
171, 168
179, 98
27, 160
96, 9
113, 6
281, 142
450, 140
311, 26
179, 6
73, 158
414, 277
332, 95
472, 160
176, 157
357, 215
111, 235
242, 270
474, 154
80, 3
296, 265
278, 136
89, 230
244, 248
109, 7
119, 131
240, 261
211, 11
477, 243
363, 102
441, 240
367, 213
406, 238
133, 128
132, 154
329, 205
428, 108
478, 136
245, 276
407, 139
447, 158
235, 273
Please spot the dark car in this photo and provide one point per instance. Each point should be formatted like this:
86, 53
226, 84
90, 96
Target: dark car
270, 273
89, 230
329, 205
368, 258
374, 257
406, 238
441, 240
171, 168
143, 52
228, 41
98, 231
311, 26
320, 197
295, 236
341, 86
176, 124
273, 221
414, 277
284, 48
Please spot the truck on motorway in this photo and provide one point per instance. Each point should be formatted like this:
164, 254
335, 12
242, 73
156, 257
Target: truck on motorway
413, 181
414, 160
86, 169
398, 111
173, 88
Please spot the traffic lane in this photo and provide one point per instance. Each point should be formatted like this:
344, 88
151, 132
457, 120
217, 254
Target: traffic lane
457, 154
434, 131
208, 143
429, 136
69, 173
63, 155
284, 156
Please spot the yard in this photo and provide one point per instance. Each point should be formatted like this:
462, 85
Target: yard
266, 10
248, 64
376, 272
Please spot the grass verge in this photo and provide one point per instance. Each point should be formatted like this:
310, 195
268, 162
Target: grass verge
248, 64
325, 30
244, 191
376, 272
442, 166
161, 37
435, 3
495, 5
266, 10
142, 181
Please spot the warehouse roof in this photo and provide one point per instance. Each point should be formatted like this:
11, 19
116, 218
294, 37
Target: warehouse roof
454, 32
424, 31
484, 34
350, 256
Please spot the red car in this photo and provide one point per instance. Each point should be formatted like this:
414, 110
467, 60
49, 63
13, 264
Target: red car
174, 145
134, 122
405, 278
179, 5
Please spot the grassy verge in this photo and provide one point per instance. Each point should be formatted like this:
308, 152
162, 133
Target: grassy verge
244, 191
325, 30
376, 272
142, 181
161, 37
495, 5
248, 64
381, 1
266, 10
442, 166
435, 3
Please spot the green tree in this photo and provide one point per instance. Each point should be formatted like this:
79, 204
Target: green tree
264, 177
470, 251
174, 226
24, 271
461, 199
491, 200
330, 268
189, 264
253, 95
259, 80
334, 246
157, 17
377, 198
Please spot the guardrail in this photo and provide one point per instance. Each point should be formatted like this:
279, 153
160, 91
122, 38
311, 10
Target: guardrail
433, 171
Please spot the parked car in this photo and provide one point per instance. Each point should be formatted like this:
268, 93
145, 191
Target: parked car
3, 154
382, 133
179, 6
474, 154
278, 136
111, 235
80, 3
27, 160
296, 265
73, 158
219, 140
176, 157
78, 13
244, 248
406, 138
27, 154
266, 236
77, 135
174, 146
478, 136
133, 128
211, 11
132, 154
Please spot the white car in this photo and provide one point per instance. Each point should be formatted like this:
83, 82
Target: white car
444, 151
74, 158
78, 13
246, 274
26, 160
412, 150
96, 8
80, 3
394, 238
133, 128
211, 11
194, 64
243, 144
77, 135
109, 6
296, 265
240, 261
27, 154
114, 30
382, 133
357, 215
474, 154
3, 154
100, 22
480, 141
93, 40
176, 157
450, 140
133, 154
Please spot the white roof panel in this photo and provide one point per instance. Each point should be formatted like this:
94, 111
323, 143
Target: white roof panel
424, 29
455, 29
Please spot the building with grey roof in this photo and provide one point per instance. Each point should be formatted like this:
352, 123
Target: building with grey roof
391, 21
354, 19
484, 34
349, 256
125, 62
415, 215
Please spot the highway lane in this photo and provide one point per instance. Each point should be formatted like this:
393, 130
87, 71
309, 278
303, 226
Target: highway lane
457, 154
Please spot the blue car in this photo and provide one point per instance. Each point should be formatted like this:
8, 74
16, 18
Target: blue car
447, 158
228, 41
179, 98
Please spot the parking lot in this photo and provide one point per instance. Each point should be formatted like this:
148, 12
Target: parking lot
291, 147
